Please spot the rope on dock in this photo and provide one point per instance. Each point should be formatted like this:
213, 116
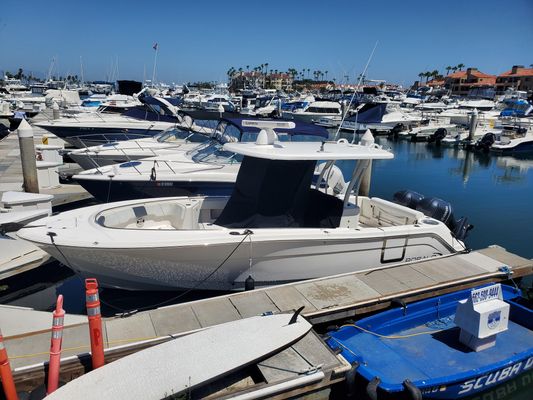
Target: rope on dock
117, 341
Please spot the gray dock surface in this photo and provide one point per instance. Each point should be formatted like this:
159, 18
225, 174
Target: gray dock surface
11, 172
325, 300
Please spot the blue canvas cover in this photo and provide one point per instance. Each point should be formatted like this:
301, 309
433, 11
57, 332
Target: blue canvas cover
369, 114
301, 128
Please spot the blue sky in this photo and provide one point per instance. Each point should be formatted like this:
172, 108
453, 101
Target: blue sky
201, 40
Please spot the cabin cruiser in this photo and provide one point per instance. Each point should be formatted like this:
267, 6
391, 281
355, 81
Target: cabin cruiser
154, 116
276, 227
314, 111
380, 117
189, 169
184, 136
266, 106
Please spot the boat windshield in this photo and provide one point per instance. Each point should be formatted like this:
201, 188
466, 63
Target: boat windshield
173, 134
263, 102
214, 153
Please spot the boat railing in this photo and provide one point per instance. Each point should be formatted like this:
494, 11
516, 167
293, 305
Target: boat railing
106, 138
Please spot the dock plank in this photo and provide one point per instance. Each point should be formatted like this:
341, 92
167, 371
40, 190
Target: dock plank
502, 255
481, 260
332, 292
447, 269
253, 303
410, 277
382, 282
137, 327
215, 311
170, 320
284, 365
288, 298
315, 351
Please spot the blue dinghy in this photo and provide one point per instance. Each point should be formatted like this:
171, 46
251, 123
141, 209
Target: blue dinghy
416, 350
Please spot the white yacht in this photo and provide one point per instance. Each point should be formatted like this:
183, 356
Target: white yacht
184, 137
276, 226
186, 169
314, 111
381, 117
89, 129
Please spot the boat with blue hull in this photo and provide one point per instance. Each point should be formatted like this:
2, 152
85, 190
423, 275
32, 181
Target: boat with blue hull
415, 351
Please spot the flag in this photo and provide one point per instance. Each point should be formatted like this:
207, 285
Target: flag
155, 46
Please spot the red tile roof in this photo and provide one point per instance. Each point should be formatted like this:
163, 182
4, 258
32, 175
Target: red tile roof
476, 74
519, 72
458, 74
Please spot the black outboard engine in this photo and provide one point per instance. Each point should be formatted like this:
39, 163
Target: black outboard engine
485, 142
407, 198
442, 210
438, 135
397, 129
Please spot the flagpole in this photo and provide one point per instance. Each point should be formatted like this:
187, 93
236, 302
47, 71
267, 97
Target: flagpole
155, 63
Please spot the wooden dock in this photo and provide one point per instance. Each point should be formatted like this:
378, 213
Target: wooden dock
326, 300
11, 172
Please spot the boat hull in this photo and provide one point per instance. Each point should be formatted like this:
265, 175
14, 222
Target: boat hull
524, 147
273, 261
422, 343
107, 191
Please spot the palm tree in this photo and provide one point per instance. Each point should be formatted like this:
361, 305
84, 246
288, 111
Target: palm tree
421, 75
460, 66
308, 70
247, 68
326, 72
448, 69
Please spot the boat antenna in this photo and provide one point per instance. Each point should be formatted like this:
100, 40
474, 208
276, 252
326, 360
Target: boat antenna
81, 72
355, 91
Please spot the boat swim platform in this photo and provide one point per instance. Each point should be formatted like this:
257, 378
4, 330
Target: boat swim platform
326, 300
11, 173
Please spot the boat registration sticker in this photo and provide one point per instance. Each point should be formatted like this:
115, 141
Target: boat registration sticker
492, 292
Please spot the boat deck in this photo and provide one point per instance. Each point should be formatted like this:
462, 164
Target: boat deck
428, 356
325, 300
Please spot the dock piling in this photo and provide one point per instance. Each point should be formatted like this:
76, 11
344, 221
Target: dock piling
55, 110
364, 189
473, 125
27, 156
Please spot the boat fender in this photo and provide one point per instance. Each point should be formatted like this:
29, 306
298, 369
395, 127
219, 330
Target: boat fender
412, 390
372, 388
295, 315
400, 302
350, 380
249, 283
153, 175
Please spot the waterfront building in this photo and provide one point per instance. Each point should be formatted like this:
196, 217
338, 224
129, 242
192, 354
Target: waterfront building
518, 78
462, 82
256, 79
